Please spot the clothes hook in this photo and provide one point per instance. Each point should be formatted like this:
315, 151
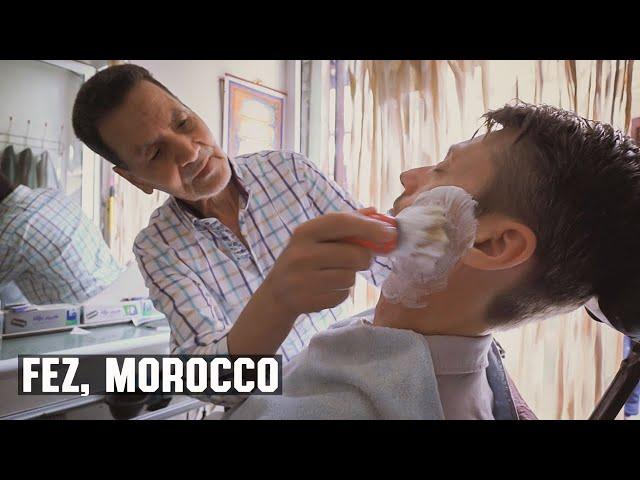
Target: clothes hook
9, 129
27, 135
44, 135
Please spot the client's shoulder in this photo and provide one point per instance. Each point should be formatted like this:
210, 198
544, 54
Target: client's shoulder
357, 337
365, 316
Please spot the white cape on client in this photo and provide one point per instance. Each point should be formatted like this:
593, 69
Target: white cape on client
354, 371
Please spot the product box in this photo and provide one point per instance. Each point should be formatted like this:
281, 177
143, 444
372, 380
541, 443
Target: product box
137, 311
111, 313
28, 318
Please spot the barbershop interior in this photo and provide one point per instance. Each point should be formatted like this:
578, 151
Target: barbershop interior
116, 240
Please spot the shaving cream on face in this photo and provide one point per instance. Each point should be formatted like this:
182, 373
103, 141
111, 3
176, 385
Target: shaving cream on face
435, 232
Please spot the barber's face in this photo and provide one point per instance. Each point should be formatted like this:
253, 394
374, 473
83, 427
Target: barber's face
165, 146
467, 165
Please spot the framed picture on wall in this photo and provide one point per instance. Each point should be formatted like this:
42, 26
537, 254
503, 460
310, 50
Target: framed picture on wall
252, 118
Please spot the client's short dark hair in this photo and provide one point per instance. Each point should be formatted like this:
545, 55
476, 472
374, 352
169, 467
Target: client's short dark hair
576, 184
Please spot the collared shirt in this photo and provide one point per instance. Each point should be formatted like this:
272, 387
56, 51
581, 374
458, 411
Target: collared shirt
49, 247
201, 276
460, 365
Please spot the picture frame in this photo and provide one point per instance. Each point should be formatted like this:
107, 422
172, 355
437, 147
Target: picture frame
253, 117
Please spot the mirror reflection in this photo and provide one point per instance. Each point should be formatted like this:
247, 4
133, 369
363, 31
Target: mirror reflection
52, 241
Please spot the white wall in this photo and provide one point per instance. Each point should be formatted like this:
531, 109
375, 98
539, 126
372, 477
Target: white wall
42, 93
197, 84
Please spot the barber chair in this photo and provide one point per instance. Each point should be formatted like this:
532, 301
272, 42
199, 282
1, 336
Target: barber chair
623, 318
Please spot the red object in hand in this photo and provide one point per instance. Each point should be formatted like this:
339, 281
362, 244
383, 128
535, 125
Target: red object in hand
386, 247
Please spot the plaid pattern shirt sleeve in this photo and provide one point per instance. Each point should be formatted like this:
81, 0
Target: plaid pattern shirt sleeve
179, 292
192, 311
49, 247
327, 196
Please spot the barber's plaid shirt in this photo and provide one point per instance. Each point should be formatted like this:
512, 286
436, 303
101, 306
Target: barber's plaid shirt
49, 247
201, 276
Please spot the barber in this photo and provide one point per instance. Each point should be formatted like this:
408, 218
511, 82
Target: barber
241, 258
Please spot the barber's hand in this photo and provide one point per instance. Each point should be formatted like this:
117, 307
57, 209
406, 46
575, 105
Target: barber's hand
317, 268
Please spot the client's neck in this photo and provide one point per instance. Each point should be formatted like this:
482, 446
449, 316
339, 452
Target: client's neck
443, 315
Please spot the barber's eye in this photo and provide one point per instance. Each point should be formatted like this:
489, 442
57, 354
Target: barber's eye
155, 155
183, 123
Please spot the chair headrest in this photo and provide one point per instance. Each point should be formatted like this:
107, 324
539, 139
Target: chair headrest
624, 318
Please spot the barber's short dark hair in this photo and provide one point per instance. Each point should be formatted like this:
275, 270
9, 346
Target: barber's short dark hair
99, 96
576, 184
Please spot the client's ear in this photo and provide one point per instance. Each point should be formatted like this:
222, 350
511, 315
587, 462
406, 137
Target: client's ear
133, 180
501, 243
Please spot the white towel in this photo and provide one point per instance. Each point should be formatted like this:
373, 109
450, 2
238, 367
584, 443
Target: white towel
354, 371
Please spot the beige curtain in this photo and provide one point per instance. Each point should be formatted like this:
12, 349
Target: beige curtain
403, 114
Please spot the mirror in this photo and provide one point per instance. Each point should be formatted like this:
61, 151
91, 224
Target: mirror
39, 150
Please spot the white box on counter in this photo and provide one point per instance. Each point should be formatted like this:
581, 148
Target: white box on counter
110, 313
137, 311
41, 317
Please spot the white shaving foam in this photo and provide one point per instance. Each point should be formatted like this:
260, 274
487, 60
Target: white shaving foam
435, 232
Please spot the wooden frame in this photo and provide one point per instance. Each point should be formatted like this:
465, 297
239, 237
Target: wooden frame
244, 102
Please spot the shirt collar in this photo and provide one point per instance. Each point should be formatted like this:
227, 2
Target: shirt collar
239, 173
456, 355
452, 354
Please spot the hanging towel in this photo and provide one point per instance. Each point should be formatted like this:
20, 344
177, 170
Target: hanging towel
9, 164
27, 169
46, 171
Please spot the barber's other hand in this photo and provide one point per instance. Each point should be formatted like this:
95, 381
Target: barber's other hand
317, 268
